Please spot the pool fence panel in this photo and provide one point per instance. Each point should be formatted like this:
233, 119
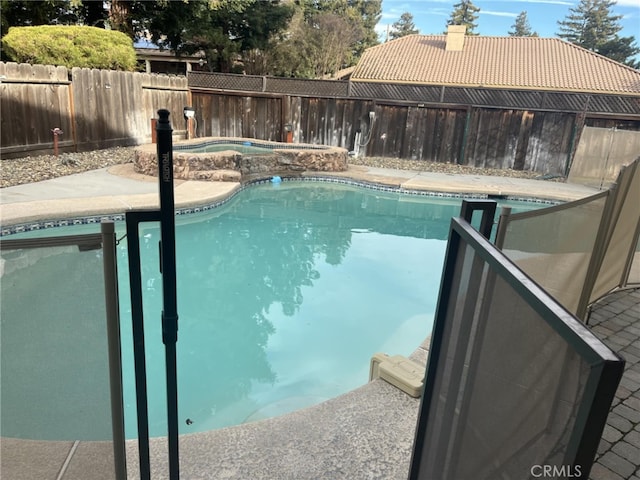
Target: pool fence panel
579, 251
62, 405
634, 267
620, 257
514, 383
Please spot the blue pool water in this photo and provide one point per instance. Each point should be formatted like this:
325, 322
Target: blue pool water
245, 149
284, 294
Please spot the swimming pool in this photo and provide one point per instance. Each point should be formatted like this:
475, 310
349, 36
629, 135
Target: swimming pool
284, 293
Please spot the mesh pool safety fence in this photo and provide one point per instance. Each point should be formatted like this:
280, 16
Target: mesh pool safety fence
514, 382
60, 355
581, 250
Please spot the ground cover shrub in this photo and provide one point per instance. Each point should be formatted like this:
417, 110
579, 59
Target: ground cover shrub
70, 46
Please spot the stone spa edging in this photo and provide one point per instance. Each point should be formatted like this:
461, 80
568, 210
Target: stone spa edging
233, 166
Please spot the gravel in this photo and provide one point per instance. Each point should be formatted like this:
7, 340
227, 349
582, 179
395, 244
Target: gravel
18, 171
424, 166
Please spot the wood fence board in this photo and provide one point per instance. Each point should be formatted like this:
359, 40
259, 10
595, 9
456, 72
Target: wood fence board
496, 150
423, 138
497, 157
513, 135
487, 139
532, 162
522, 143
337, 124
471, 137
453, 136
409, 146
439, 134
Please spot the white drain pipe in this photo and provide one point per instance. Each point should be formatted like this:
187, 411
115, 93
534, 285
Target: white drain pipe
356, 144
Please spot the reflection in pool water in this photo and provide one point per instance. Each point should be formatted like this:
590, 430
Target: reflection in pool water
284, 294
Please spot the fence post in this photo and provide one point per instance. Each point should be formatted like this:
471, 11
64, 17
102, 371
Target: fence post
168, 271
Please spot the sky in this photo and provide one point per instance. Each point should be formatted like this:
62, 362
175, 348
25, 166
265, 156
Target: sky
496, 17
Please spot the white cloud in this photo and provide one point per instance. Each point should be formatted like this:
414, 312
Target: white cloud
498, 14
628, 3
547, 2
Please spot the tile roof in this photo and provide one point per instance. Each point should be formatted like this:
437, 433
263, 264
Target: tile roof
498, 62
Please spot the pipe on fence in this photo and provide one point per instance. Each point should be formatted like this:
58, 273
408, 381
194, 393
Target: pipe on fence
154, 134
56, 133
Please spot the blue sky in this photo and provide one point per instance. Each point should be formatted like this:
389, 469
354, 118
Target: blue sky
496, 17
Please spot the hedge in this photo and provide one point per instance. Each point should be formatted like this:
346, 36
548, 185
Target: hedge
70, 46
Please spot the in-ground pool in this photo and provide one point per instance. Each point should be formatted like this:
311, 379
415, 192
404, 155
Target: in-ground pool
284, 294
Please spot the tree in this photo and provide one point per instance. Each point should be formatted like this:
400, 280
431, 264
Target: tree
331, 41
256, 36
622, 50
591, 25
127, 16
322, 38
361, 15
25, 13
465, 13
315, 47
404, 26
223, 31
521, 27
70, 46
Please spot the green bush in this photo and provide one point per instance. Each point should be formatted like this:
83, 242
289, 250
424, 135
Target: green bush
74, 46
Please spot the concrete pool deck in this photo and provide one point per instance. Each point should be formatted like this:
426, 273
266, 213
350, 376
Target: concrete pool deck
365, 434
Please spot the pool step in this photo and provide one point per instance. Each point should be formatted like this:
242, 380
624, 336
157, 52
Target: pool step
399, 371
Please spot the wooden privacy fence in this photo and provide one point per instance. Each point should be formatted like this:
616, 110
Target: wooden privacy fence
539, 141
93, 108
491, 128
475, 126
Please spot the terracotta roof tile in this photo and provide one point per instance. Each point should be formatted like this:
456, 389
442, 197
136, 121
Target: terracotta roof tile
499, 62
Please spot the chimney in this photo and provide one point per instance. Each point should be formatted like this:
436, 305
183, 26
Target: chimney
455, 38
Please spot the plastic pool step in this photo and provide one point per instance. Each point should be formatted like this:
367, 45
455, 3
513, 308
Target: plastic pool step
399, 371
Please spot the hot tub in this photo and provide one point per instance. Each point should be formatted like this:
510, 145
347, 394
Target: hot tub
238, 159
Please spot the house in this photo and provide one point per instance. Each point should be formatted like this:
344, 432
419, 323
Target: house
153, 60
522, 63
531, 101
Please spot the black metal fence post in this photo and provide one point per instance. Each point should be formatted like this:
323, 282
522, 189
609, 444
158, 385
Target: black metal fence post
168, 270
166, 217
133, 219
